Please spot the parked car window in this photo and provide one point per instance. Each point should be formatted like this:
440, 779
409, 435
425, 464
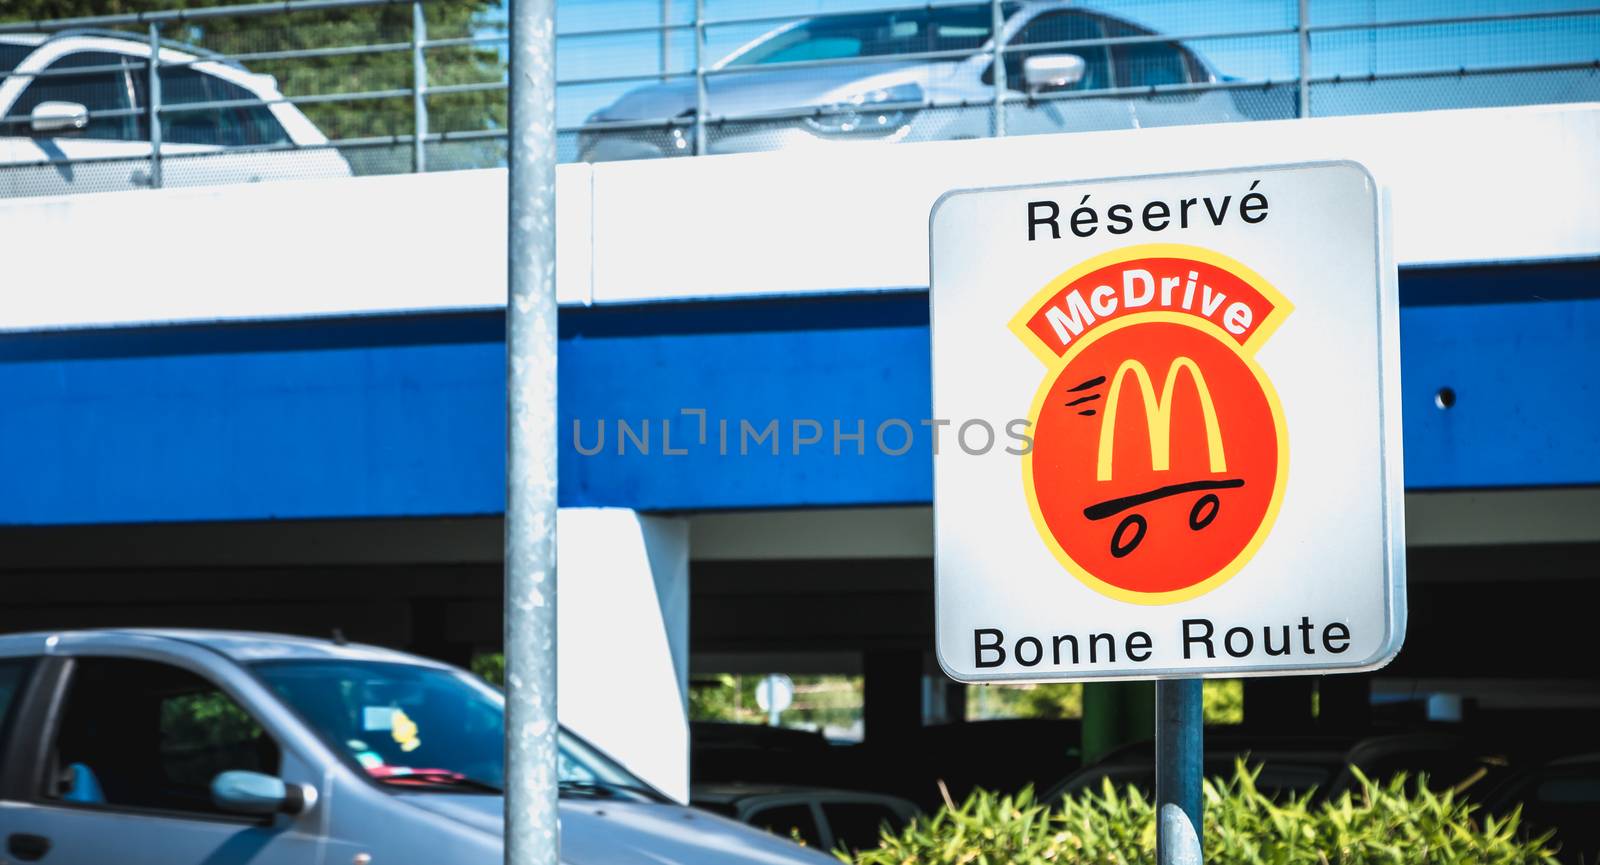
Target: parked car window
789, 821
13, 675
726, 809
1060, 27
419, 728
12, 54
859, 825
141, 734
1146, 64
234, 126
829, 37
403, 724
107, 90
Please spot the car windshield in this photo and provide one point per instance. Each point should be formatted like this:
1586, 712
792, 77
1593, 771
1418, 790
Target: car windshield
427, 728
833, 37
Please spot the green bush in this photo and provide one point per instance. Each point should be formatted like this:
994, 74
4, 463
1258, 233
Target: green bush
1392, 824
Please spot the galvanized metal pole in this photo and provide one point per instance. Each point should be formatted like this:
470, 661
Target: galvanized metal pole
1304, 26
1179, 751
700, 95
531, 799
153, 67
997, 19
419, 88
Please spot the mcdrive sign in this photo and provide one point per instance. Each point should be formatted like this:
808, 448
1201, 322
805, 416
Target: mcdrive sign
1211, 481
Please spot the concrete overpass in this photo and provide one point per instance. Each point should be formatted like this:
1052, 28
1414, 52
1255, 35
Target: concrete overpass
281, 406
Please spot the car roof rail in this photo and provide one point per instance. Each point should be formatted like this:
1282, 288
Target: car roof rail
187, 48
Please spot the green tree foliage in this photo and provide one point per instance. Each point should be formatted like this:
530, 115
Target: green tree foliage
388, 26
203, 733
206, 719
491, 667
1222, 701
1024, 701
723, 697
1390, 824
820, 701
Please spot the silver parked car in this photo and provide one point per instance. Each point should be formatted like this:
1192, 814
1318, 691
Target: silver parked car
155, 747
801, 78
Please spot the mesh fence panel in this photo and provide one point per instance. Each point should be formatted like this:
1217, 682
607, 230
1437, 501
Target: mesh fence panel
928, 124
27, 180
1267, 102
212, 169
177, 170
1418, 48
461, 155
1047, 116
384, 66
1248, 58
1185, 20
567, 147
1455, 91
646, 142
1386, 58
366, 160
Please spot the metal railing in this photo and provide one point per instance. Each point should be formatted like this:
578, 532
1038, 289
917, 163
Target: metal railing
693, 131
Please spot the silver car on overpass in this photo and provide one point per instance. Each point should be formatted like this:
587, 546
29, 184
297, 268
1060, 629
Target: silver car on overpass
801, 85
151, 747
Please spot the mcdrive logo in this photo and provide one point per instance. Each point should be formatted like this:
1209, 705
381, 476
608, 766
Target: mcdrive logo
1160, 452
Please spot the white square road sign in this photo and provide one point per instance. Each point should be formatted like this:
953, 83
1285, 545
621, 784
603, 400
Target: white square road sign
1193, 464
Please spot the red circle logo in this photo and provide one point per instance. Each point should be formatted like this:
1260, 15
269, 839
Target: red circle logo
1159, 448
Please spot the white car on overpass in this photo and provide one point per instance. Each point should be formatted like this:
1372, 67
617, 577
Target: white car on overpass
74, 117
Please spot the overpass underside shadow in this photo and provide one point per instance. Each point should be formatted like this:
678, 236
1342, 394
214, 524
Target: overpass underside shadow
1493, 614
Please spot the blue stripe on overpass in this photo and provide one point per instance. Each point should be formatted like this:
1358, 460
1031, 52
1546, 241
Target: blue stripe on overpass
404, 417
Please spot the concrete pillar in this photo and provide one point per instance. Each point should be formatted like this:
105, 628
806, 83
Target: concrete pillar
623, 624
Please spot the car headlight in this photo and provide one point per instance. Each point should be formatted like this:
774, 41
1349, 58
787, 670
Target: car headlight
872, 112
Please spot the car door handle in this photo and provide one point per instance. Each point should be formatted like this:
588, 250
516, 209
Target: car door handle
28, 847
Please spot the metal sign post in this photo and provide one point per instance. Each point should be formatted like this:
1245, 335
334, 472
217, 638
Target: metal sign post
1179, 764
531, 795
774, 694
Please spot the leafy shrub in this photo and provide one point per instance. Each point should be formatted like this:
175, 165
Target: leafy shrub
1381, 824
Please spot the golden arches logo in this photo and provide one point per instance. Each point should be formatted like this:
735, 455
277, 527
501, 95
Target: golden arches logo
1158, 416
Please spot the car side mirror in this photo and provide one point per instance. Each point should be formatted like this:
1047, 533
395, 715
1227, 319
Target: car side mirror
59, 117
245, 792
1044, 71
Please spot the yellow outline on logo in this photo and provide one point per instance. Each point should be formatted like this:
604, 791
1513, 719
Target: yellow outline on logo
1281, 307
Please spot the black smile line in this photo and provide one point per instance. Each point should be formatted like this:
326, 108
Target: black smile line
1118, 505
